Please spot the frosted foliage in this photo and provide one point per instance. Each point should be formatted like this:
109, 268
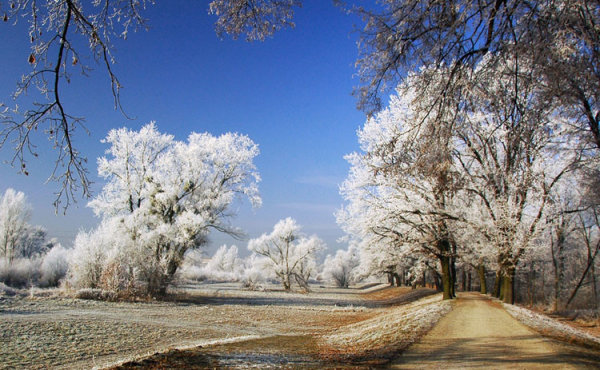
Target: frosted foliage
341, 268
166, 196
291, 255
14, 216
399, 188
257, 19
55, 265
224, 265
89, 257
475, 176
257, 269
513, 165
19, 239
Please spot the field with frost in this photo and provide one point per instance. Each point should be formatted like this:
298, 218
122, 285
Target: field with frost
44, 329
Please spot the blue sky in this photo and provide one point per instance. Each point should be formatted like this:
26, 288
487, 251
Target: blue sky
290, 94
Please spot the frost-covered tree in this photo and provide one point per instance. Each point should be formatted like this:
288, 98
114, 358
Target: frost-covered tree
166, 195
291, 255
19, 239
513, 150
341, 267
401, 185
224, 265
14, 217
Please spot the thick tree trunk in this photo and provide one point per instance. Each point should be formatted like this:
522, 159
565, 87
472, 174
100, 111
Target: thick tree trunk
498, 284
508, 281
482, 282
464, 280
446, 277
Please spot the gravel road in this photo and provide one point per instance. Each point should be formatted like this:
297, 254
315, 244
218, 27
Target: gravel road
479, 333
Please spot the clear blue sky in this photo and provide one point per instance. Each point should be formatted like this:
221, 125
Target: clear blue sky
290, 94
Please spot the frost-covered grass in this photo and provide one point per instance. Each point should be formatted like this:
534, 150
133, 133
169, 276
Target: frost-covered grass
550, 327
189, 345
274, 290
386, 333
43, 331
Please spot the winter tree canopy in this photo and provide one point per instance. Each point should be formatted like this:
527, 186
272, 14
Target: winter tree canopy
166, 195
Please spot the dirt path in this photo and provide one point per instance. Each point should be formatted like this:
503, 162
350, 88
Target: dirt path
480, 333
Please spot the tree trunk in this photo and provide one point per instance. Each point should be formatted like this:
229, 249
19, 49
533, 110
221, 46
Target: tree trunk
287, 283
482, 282
498, 284
508, 281
555, 264
446, 277
397, 279
464, 280
531, 284
469, 281
587, 269
453, 270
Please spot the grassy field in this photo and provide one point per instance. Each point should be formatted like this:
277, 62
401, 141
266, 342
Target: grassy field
49, 330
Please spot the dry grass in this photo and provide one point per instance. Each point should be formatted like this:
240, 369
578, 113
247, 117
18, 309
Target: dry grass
61, 332
377, 339
553, 328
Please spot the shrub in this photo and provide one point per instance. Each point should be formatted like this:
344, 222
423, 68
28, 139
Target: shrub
20, 272
54, 266
96, 294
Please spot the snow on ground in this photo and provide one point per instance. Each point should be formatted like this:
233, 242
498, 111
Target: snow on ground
388, 332
551, 327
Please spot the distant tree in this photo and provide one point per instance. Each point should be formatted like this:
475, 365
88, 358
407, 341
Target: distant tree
14, 216
224, 265
166, 196
341, 267
291, 255
19, 239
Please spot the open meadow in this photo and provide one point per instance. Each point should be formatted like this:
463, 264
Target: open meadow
48, 330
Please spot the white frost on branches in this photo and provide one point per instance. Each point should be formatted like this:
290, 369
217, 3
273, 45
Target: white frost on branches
291, 255
165, 196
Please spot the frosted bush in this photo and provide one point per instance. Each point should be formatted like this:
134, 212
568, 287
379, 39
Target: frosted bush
20, 272
88, 258
54, 266
340, 269
256, 272
5, 290
225, 265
